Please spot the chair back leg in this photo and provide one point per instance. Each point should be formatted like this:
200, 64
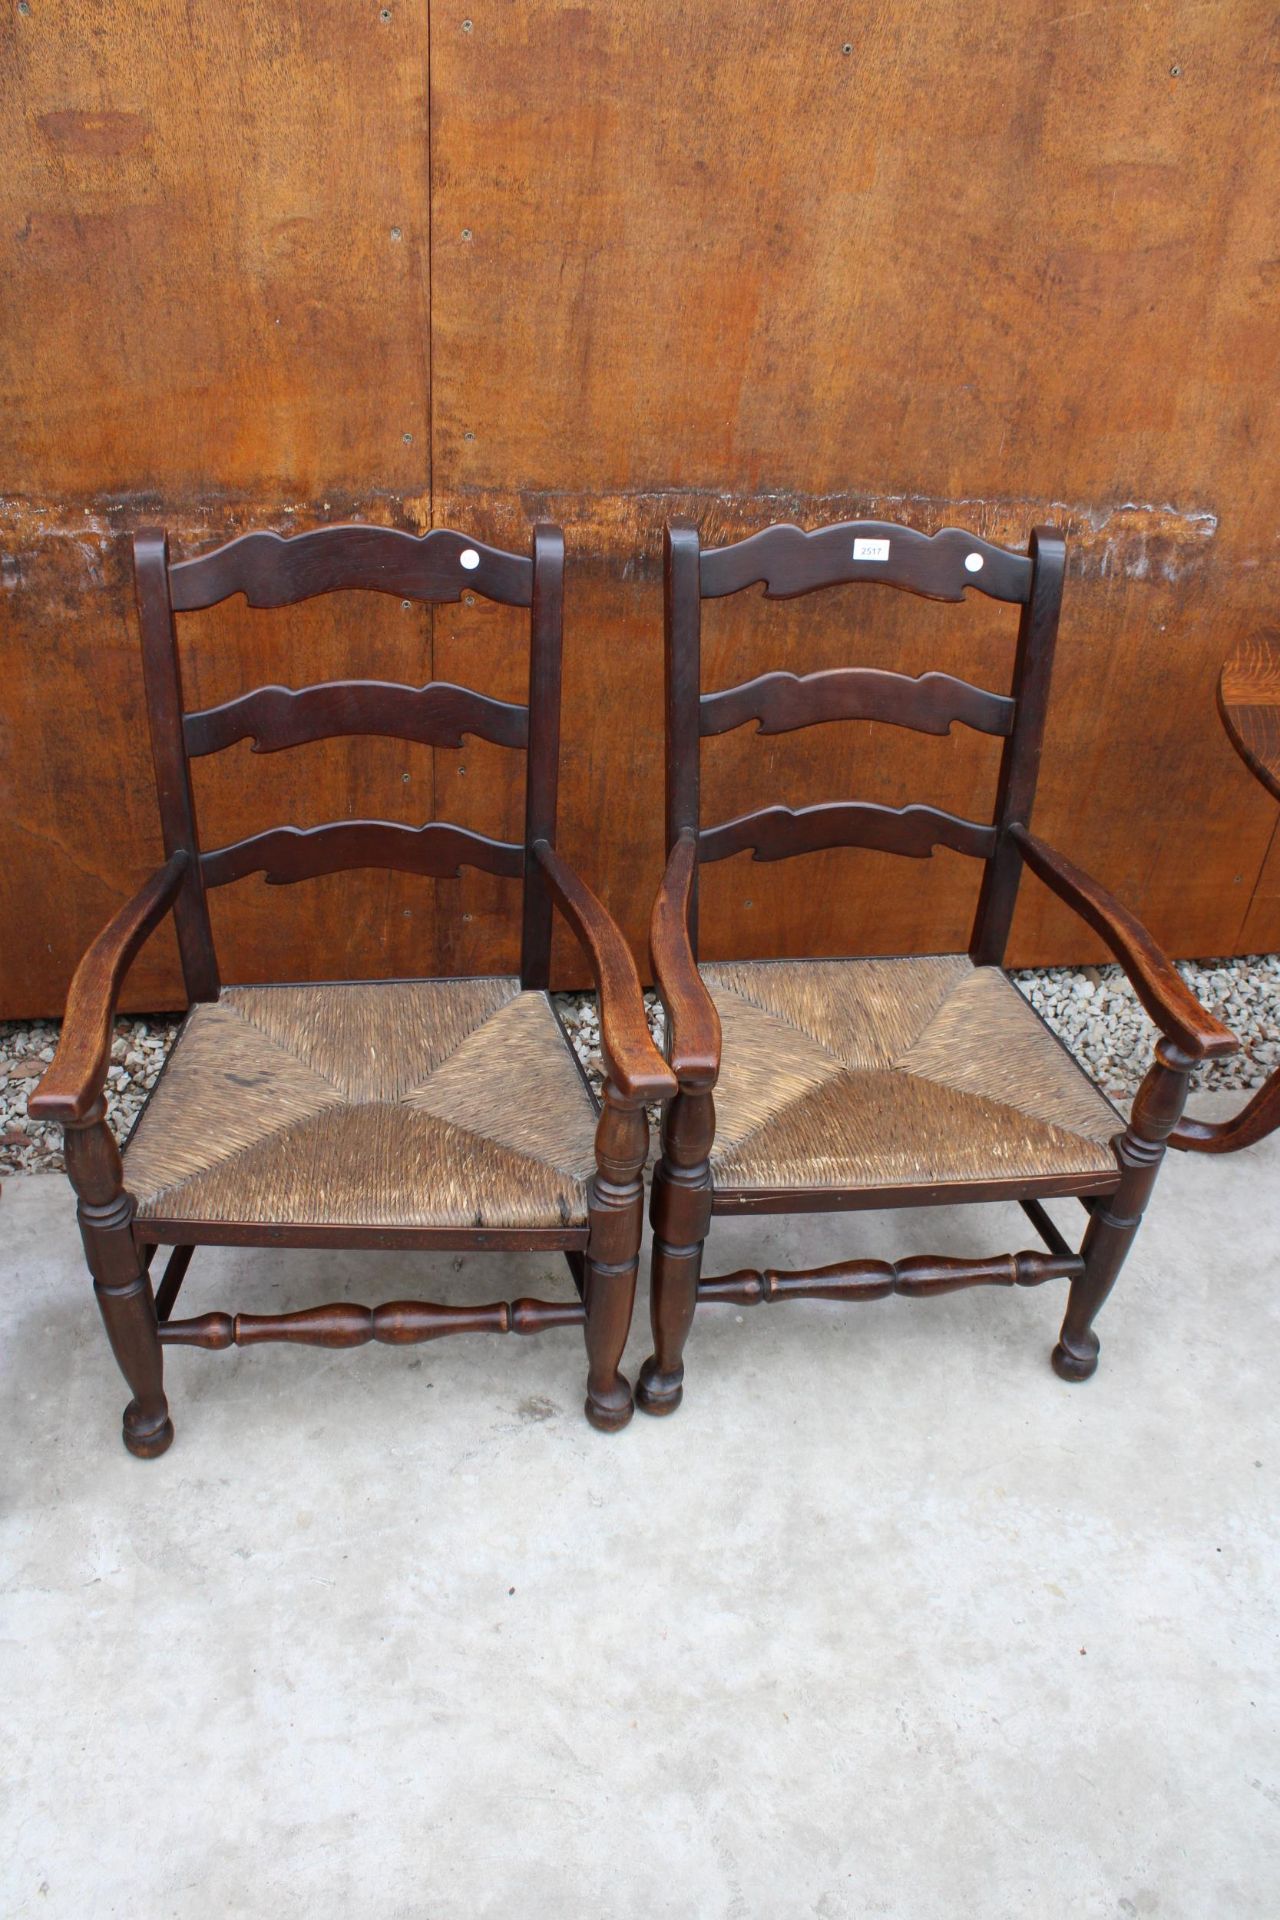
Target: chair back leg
681, 1213
120, 1281
1116, 1219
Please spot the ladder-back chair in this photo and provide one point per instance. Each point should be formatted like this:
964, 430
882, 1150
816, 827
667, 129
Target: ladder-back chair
830, 1085
387, 1114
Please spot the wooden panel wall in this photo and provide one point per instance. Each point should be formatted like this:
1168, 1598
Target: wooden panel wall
742, 260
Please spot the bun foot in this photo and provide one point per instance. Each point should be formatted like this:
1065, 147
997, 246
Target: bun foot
610, 1412
1076, 1363
658, 1393
146, 1438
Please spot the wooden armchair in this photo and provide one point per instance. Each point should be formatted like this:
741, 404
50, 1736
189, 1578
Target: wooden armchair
418, 1113
832, 1085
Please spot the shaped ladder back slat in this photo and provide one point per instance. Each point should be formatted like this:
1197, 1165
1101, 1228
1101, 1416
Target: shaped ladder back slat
782, 702
778, 832
289, 854
437, 715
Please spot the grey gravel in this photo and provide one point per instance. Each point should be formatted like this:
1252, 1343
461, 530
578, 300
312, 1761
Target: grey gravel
26, 1046
580, 1017
1093, 1010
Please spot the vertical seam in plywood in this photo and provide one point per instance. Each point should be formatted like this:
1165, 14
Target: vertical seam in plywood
431, 285
431, 429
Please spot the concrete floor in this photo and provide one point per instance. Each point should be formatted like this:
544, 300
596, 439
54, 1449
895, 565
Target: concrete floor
886, 1621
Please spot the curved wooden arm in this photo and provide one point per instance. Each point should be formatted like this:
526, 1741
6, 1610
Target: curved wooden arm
73, 1083
1244, 1129
1157, 983
633, 1063
694, 1024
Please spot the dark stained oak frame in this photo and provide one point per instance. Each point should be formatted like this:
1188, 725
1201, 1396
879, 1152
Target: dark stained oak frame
272, 571
944, 566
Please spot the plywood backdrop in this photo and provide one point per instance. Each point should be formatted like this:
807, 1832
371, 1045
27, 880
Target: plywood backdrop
744, 259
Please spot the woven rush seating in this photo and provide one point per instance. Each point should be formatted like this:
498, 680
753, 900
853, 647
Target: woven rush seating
446, 1103
848, 1073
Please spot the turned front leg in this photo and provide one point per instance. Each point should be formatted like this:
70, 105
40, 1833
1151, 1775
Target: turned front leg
616, 1216
120, 1280
680, 1209
1116, 1218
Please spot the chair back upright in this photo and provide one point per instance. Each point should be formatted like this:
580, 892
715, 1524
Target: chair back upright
271, 570
942, 566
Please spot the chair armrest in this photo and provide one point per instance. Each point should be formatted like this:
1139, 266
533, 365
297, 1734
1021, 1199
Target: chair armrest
1157, 983
692, 1021
633, 1063
72, 1084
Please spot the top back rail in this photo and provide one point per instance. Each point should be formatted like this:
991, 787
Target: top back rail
276, 570
272, 570
789, 562
940, 566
